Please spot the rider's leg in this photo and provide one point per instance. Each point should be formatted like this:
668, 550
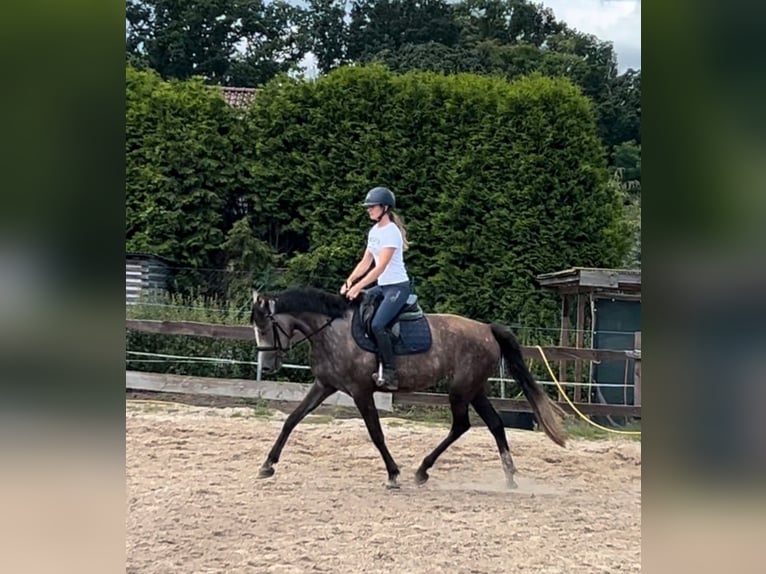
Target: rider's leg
395, 298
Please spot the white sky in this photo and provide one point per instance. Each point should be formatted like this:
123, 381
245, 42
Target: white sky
617, 21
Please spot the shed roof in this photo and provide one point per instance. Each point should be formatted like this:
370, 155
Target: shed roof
589, 280
238, 97
147, 255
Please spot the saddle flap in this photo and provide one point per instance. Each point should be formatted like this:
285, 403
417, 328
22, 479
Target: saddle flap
410, 336
368, 306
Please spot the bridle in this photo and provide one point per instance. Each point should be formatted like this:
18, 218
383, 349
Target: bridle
277, 328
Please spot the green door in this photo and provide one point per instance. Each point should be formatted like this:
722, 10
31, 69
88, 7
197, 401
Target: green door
616, 323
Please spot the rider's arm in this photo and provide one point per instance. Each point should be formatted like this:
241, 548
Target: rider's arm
361, 267
385, 256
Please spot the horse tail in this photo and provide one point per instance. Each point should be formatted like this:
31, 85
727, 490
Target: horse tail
549, 414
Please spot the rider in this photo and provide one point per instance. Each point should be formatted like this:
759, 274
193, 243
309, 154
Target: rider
386, 243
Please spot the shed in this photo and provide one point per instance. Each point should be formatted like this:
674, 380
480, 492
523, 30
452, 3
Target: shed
145, 274
609, 300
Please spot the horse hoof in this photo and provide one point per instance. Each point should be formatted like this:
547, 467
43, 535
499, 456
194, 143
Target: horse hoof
266, 472
511, 484
393, 483
421, 477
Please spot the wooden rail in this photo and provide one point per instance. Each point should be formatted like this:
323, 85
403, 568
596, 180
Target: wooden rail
211, 330
250, 389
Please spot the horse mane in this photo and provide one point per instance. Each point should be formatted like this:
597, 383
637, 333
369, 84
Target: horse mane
312, 300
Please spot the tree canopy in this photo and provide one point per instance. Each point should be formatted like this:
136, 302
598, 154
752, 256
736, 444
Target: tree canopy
248, 42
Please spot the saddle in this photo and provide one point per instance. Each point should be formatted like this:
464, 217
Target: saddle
410, 329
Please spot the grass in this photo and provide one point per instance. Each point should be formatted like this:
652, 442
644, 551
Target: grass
434, 416
260, 408
579, 429
318, 419
174, 307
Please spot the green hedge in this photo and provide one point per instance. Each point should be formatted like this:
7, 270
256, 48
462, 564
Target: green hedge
497, 182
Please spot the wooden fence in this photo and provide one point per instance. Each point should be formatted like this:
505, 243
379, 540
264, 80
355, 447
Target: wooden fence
274, 390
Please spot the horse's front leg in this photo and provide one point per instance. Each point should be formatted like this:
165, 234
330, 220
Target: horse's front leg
315, 396
366, 404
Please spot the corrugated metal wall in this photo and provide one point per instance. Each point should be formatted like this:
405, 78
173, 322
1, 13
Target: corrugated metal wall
144, 274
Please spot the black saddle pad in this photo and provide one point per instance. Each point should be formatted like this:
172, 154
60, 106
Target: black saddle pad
413, 337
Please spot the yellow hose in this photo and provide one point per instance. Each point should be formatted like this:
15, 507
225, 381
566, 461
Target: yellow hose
571, 404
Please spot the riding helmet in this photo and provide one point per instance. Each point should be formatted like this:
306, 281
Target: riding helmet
380, 196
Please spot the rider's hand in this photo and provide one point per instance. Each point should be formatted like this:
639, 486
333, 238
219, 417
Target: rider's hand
353, 293
344, 288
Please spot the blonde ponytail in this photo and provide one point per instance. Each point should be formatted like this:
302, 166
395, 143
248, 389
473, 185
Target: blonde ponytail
400, 224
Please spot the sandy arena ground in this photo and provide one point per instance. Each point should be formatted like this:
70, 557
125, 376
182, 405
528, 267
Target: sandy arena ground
194, 504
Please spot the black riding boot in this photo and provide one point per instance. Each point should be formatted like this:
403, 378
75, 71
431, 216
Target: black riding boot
386, 354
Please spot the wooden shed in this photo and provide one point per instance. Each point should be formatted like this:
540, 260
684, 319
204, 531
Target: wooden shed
605, 306
145, 274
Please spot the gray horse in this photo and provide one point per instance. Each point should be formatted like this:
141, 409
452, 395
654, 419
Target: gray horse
463, 351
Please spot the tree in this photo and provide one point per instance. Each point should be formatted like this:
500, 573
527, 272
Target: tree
229, 42
620, 110
328, 32
182, 38
601, 62
505, 21
248, 260
511, 38
378, 25
275, 36
627, 158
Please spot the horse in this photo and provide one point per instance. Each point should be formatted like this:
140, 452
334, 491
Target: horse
459, 350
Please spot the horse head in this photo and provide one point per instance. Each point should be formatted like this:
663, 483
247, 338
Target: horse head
272, 332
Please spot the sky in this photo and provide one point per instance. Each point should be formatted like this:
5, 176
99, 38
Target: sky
617, 21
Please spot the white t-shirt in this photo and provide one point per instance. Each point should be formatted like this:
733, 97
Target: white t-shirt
388, 236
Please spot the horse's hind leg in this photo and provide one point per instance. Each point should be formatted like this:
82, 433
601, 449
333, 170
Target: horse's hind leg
315, 396
460, 424
494, 423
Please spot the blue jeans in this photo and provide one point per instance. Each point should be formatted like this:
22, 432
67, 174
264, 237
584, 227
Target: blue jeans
394, 299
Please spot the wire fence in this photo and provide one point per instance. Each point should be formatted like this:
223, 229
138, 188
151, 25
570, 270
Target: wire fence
183, 355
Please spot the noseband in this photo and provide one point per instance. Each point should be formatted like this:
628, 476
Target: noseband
277, 328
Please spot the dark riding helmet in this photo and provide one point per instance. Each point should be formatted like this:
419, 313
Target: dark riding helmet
380, 196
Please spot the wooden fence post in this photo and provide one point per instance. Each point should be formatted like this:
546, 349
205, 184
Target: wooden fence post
563, 341
579, 343
637, 370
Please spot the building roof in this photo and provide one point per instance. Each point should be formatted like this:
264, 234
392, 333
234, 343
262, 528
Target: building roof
238, 97
589, 280
146, 255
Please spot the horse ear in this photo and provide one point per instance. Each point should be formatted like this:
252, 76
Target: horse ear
264, 302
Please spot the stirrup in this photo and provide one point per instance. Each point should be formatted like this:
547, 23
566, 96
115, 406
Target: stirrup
391, 382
